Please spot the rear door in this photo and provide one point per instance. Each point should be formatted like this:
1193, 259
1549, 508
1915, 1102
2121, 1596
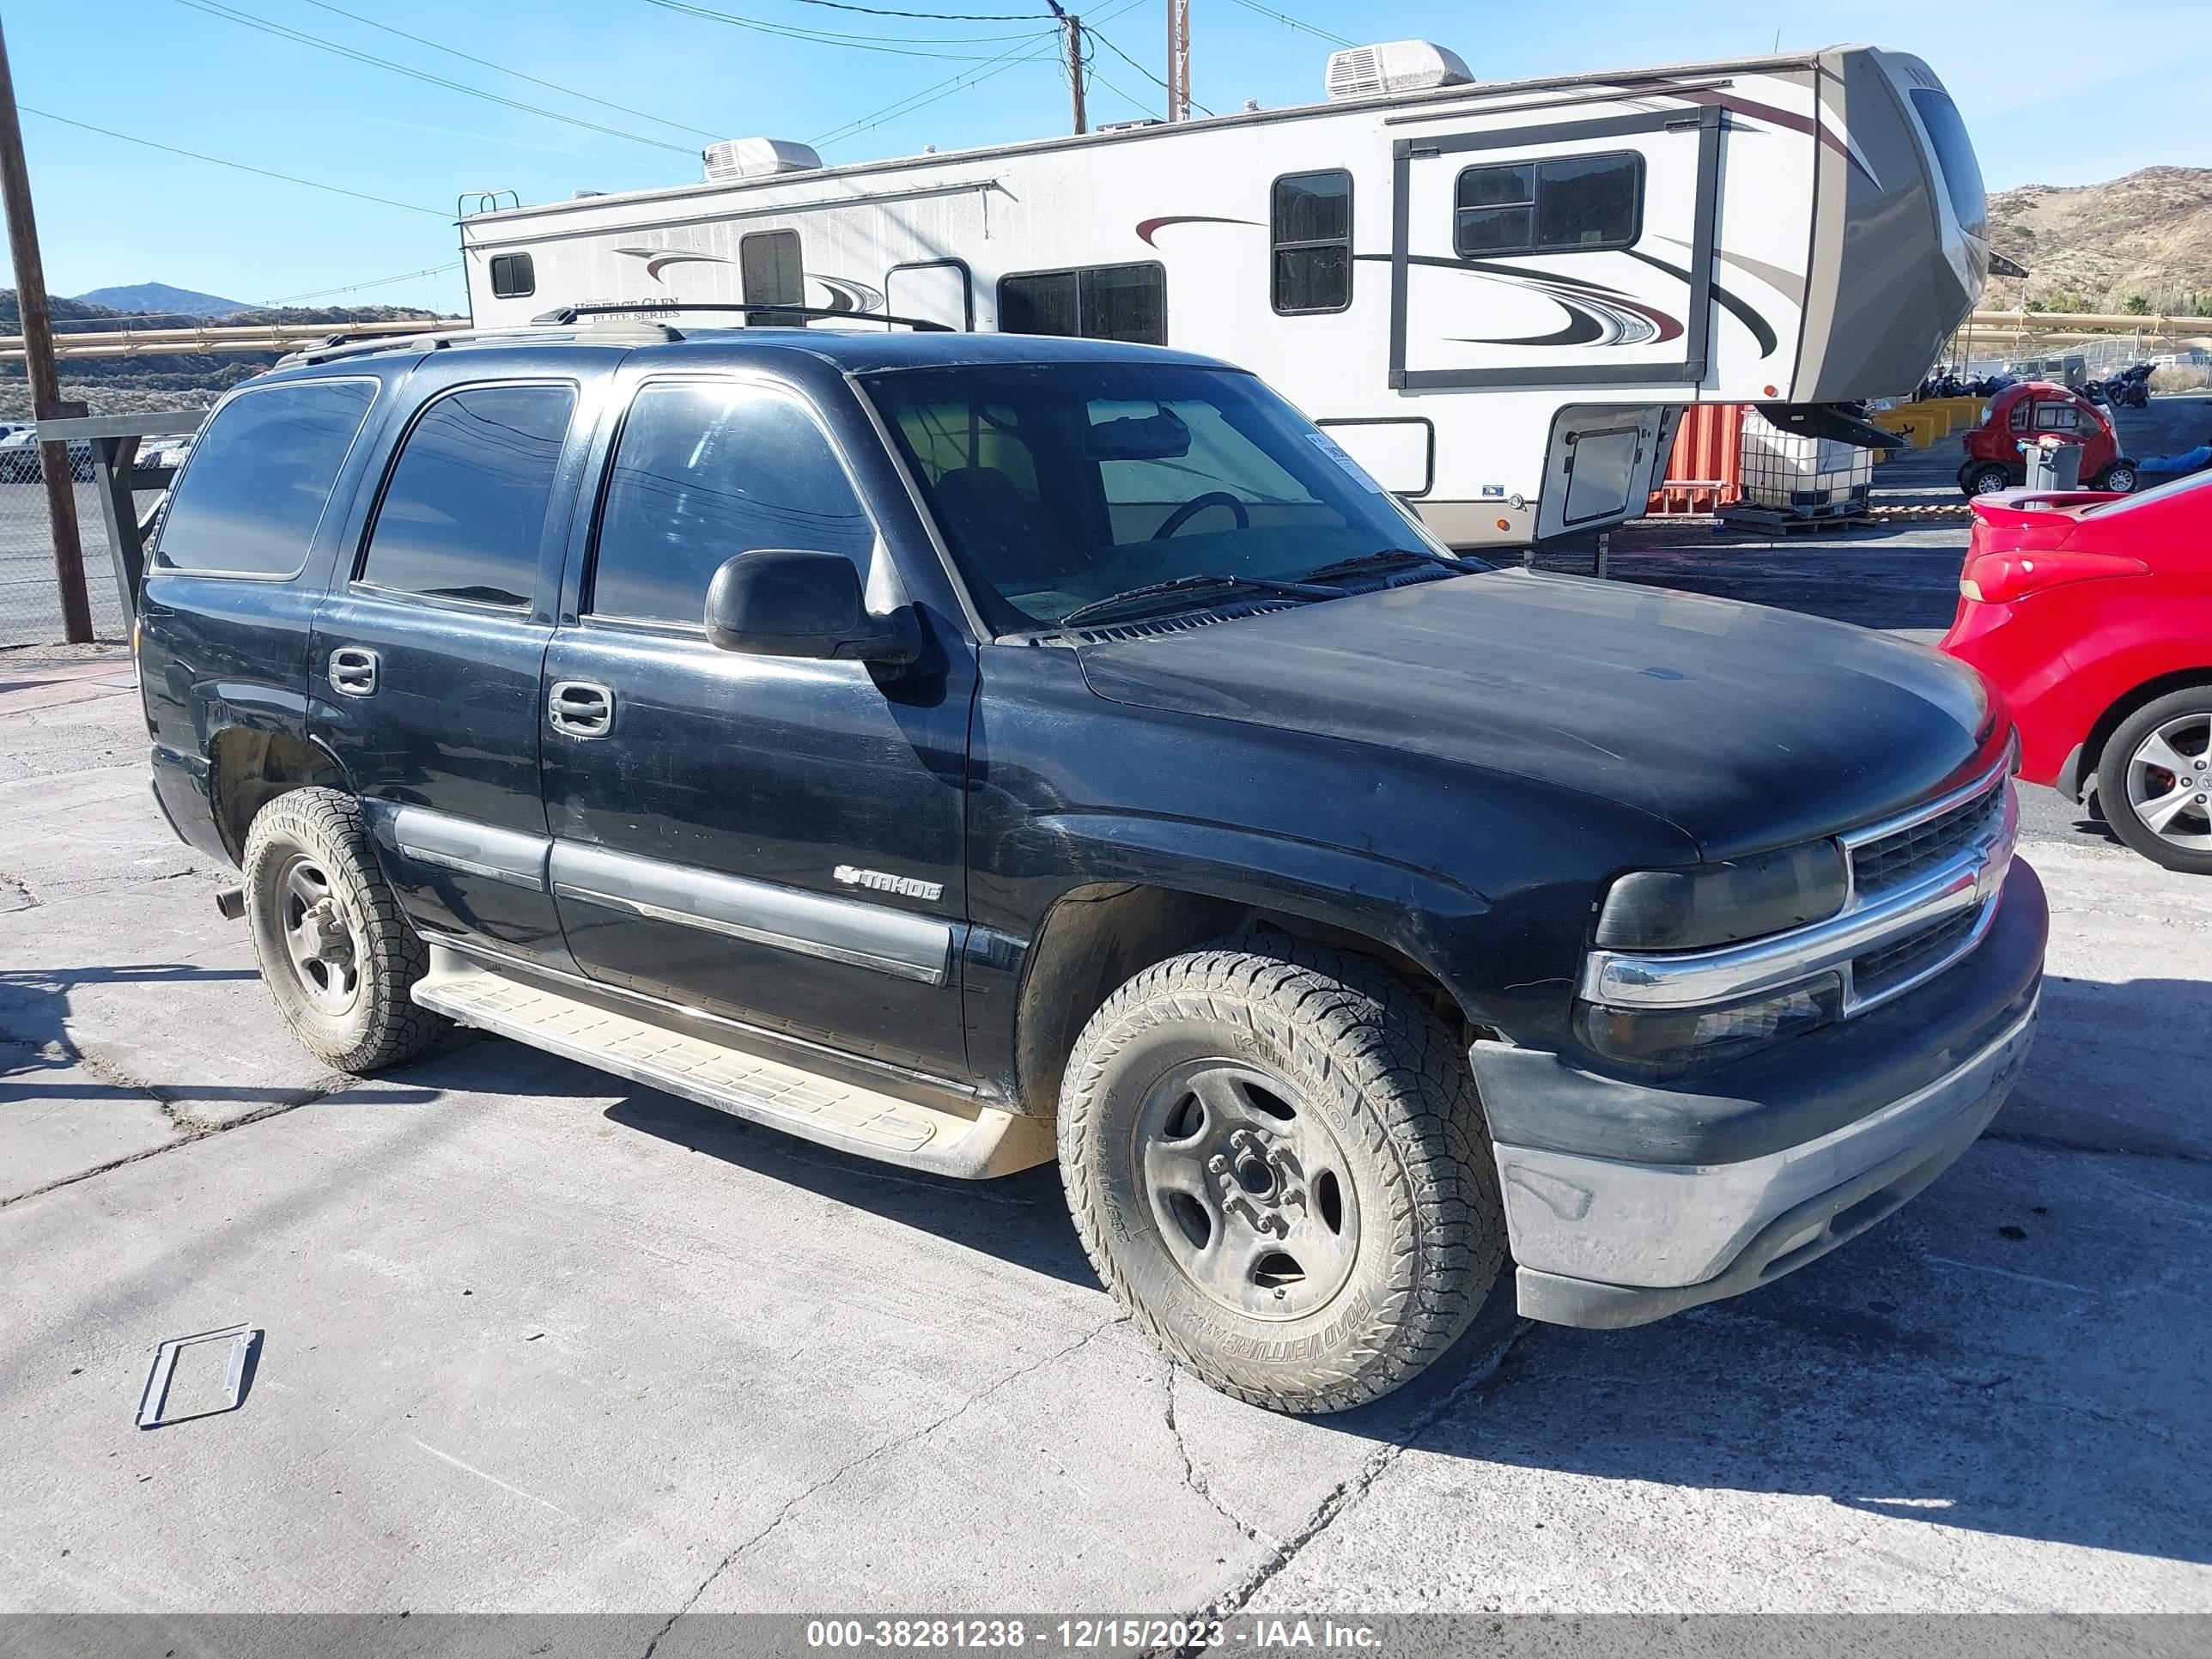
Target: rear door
425, 664
1579, 252
777, 842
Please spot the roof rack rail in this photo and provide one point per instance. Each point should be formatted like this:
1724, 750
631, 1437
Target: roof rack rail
343, 345
655, 307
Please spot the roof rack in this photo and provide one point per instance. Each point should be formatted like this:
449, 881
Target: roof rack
345, 345
655, 307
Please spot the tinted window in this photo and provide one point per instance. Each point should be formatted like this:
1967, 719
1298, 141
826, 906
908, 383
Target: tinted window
465, 506
769, 265
250, 500
1312, 221
1100, 302
703, 473
514, 277
1954, 158
1560, 205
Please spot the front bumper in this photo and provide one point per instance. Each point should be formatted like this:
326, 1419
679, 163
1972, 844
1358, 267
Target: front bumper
1626, 1202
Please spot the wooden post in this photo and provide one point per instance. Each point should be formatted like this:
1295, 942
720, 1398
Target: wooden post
1074, 26
1178, 60
38, 363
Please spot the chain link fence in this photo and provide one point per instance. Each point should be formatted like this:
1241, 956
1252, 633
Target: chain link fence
30, 600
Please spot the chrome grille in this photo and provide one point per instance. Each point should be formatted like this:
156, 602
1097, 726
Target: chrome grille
1894, 964
1891, 860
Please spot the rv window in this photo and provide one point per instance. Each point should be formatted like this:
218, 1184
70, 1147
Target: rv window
514, 277
770, 267
1311, 217
1954, 159
464, 507
1562, 205
1100, 302
254, 489
704, 472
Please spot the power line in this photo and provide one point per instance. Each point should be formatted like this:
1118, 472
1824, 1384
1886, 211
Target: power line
856, 42
1138, 103
240, 167
551, 86
355, 287
931, 16
1137, 66
1293, 22
248, 21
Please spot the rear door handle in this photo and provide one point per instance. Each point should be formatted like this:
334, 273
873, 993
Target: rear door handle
353, 671
581, 708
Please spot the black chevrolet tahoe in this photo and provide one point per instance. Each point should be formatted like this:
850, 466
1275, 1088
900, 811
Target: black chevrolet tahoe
972, 751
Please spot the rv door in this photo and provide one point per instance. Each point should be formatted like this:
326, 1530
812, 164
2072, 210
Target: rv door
1579, 253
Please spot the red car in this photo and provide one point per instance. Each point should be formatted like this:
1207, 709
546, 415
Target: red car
2032, 410
2093, 614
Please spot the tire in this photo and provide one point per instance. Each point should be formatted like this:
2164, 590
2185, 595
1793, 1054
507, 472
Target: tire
336, 952
2120, 476
1986, 478
2154, 781
1379, 1177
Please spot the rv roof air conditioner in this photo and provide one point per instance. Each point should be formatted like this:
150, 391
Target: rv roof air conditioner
1395, 66
757, 158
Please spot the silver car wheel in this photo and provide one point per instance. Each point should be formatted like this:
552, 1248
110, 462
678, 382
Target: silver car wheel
2170, 782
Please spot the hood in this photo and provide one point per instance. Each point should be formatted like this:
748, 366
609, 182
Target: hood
1744, 727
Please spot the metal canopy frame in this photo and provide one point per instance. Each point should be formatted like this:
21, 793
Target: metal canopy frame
115, 440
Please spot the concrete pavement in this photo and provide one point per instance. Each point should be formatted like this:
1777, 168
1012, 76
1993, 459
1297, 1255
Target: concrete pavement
538, 1340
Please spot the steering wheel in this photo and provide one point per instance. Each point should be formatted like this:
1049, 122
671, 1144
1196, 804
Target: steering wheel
1198, 504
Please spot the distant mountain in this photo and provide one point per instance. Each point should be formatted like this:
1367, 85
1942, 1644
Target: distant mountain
160, 296
2143, 242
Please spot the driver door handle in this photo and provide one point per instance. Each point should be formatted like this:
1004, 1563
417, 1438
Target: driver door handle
580, 708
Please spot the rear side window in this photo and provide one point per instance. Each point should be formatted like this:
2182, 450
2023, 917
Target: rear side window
1099, 302
1562, 205
259, 476
464, 506
514, 277
704, 472
1311, 220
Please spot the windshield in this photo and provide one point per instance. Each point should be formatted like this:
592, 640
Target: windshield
1058, 484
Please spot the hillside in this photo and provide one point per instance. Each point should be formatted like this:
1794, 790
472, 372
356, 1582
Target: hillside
2145, 238
160, 296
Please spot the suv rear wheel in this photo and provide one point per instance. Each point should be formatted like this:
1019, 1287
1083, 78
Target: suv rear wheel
1276, 1160
2154, 779
336, 952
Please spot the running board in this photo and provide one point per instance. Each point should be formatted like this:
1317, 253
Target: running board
989, 1143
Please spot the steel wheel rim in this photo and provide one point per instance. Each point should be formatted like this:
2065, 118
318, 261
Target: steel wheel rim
322, 940
1249, 1189
2170, 782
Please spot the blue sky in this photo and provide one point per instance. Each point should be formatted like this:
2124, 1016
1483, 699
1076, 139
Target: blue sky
177, 72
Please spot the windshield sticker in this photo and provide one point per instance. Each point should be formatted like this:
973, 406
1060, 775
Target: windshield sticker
1336, 453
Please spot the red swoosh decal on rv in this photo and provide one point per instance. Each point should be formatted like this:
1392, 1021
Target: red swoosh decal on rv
656, 260
1146, 227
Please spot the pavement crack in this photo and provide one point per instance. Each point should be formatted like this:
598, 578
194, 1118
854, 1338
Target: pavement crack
896, 1443
1193, 1477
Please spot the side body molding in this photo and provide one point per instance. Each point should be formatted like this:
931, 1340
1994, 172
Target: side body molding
453, 843
854, 931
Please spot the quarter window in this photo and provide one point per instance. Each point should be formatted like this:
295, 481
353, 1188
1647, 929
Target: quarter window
514, 277
464, 508
1563, 204
706, 471
771, 270
1311, 231
1098, 303
255, 487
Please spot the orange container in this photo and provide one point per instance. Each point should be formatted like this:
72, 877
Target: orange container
1706, 470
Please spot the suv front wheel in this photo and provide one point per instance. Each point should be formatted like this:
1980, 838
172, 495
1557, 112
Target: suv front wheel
335, 950
1276, 1161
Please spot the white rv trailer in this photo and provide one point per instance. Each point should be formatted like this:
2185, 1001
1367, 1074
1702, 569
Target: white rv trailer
1497, 296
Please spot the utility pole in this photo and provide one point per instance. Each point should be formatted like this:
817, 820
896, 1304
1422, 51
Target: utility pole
1072, 28
1178, 60
39, 361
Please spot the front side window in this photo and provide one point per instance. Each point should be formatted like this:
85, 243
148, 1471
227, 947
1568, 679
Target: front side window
464, 507
1058, 484
1563, 204
1099, 302
768, 267
1311, 221
706, 471
259, 477
2054, 417
514, 277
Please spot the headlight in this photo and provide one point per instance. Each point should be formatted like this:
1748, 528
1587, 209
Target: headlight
1670, 1037
1721, 903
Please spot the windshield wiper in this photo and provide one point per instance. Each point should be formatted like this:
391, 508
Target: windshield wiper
1352, 566
1303, 590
